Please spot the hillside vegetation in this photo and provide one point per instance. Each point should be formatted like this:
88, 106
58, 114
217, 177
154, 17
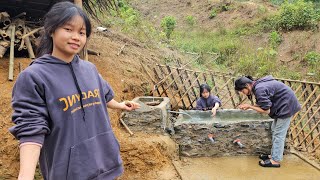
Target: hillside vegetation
256, 37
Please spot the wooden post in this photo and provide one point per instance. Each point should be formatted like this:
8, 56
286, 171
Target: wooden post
11, 63
83, 53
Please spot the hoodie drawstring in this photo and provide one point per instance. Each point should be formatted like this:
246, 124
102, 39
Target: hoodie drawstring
79, 90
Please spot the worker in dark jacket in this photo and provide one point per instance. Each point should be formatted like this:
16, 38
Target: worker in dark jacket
207, 101
279, 102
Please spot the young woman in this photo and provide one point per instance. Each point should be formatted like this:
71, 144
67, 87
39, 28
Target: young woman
60, 106
279, 101
207, 101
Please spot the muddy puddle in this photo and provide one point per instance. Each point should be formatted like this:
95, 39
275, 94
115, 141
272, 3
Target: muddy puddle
244, 167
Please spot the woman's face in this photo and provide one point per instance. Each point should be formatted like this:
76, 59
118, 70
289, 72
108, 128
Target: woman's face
205, 94
69, 39
246, 90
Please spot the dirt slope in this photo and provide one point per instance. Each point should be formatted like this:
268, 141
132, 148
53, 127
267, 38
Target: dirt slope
238, 12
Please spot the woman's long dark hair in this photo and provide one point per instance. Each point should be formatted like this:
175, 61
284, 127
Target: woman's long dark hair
203, 87
59, 14
242, 82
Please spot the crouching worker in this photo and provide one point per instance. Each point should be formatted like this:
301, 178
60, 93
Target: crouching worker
279, 102
60, 106
207, 101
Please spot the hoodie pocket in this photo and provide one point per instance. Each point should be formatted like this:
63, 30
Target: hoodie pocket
94, 156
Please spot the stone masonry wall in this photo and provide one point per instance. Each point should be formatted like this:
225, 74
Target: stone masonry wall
193, 138
147, 121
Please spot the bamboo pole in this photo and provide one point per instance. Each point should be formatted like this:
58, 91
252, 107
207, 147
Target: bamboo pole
295, 116
31, 32
145, 70
175, 84
126, 127
11, 63
184, 87
29, 48
311, 130
170, 84
222, 73
161, 85
223, 86
190, 84
304, 115
165, 84
306, 82
312, 141
318, 105
190, 87
155, 87
313, 150
230, 95
309, 107
304, 104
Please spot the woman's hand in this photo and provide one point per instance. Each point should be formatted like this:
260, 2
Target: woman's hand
130, 105
125, 105
214, 111
244, 106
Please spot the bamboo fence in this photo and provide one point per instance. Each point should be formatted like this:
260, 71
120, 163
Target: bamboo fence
182, 87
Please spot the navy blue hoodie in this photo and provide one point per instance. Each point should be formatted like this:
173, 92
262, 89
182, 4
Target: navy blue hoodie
207, 104
276, 96
63, 107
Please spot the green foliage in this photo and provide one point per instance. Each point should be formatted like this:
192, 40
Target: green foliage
312, 58
274, 39
261, 63
168, 24
213, 13
296, 15
190, 20
262, 10
213, 42
287, 73
225, 7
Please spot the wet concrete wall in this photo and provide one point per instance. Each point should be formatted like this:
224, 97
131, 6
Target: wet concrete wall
149, 118
193, 140
146, 121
